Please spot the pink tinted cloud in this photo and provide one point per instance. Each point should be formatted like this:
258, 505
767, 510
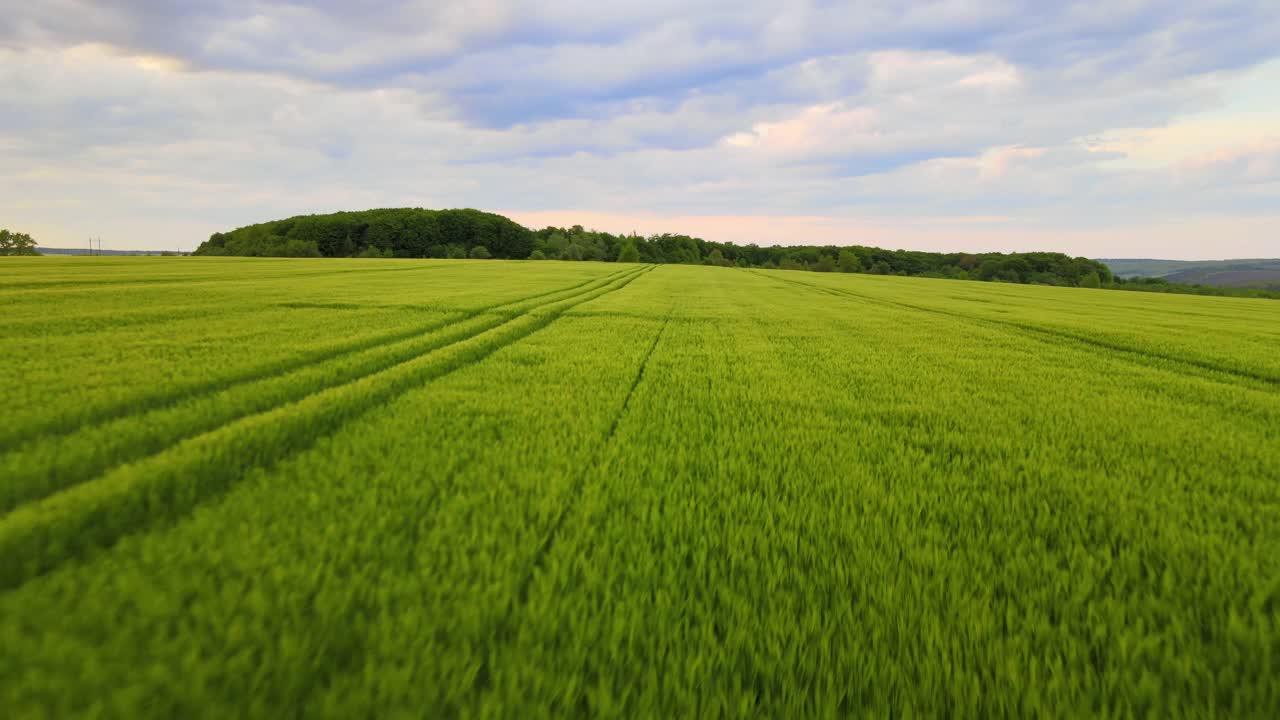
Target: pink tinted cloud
1209, 237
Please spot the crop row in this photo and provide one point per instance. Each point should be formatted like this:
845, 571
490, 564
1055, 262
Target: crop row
84, 358
36, 536
710, 492
404, 526
73, 448
1230, 336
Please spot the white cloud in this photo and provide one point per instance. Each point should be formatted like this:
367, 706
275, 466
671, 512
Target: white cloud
917, 121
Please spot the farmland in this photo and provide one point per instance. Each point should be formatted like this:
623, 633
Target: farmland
235, 487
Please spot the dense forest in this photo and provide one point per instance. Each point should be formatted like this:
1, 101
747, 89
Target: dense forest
418, 233
407, 233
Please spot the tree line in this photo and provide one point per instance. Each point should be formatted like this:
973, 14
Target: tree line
419, 233
406, 233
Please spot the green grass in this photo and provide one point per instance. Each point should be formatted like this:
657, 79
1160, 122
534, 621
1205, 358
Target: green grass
346, 488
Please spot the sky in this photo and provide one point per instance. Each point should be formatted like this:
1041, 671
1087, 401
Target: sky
1126, 128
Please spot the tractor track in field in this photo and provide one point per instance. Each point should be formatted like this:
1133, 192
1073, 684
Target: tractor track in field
484, 677
1186, 367
95, 321
29, 479
13, 438
39, 536
86, 284
575, 489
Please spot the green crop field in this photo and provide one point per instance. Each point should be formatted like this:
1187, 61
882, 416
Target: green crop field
416, 488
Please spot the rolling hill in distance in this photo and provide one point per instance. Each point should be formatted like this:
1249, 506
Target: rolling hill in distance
1244, 273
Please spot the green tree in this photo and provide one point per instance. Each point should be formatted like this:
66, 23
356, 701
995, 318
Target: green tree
628, 253
415, 232
1091, 280
557, 245
298, 248
717, 258
16, 243
480, 252
537, 255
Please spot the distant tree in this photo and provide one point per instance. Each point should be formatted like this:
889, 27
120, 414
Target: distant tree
16, 243
416, 232
1091, 280
480, 252
370, 252
299, 248
1014, 269
717, 258
825, 263
557, 245
987, 270
628, 252
537, 255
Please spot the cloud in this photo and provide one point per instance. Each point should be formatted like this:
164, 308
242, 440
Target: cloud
1247, 163
1064, 120
1179, 240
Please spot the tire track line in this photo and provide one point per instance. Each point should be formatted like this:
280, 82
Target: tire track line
505, 630
66, 425
49, 464
448, 485
1187, 367
38, 537
54, 285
